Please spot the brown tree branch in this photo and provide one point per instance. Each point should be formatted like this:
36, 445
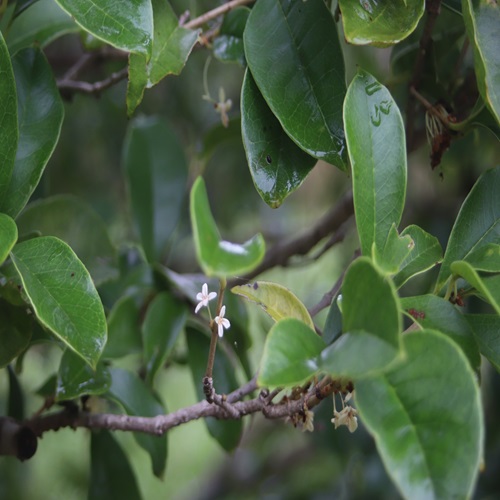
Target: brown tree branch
212, 14
69, 86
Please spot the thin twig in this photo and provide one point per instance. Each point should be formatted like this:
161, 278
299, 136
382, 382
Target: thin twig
212, 14
95, 88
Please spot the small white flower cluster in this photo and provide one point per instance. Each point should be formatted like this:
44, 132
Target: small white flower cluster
204, 297
347, 416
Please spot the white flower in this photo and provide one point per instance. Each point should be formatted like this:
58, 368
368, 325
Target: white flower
346, 417
308, 423
204, 297
222, 322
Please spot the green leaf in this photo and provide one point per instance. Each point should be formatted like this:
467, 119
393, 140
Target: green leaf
40, 115
294, 54
376, 142
371, 321
228, 45
110, 471
426, 253
485, 258
380, 23
39, 25
489, 290
432, 312
172, 45
8, 236
75, 378
278, 166
15, 404
485, 328
276, 300
15, 332
164, 321
453, 5
125, 25
8, 118
156, 171
425, 416
482, 18
21, 6
227, 432
396, 250
124, 334
289, 354
333, 324
62, 294
218, 257
137, 399
76, 223
477, 224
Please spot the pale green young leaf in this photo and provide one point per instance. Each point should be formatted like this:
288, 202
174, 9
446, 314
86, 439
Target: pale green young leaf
396, 250
485, 258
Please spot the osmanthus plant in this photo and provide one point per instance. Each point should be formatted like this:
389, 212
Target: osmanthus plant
406, 368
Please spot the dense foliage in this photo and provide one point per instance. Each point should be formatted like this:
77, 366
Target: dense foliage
120, 288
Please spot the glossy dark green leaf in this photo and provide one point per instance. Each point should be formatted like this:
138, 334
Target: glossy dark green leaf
430, 440
477, 224
172, 45
15, 403
453, 5
371, 321
293, 52
396, 250
426, 253
380, 23
111, 475
62, 295
8, 236
124, 333
376, 141
333, 324
228, 45
39, 25
75, 378
164, 321
482, 18
125, 25
137, 399
485, 328
433, 312
487, 288
8, 118
485, 258
76, 223
278, 166
40, 116
15, 332
290, 353
156, 171
226, 432
218, 257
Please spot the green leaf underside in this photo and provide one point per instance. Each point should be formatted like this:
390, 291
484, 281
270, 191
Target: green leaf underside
371, 321
8, 118
380, 23
485, 258
137, 399
172, 45
15, 332
226, 432
76, 223
396, 250
278, 166
110, 470
490, 292
75, 378
39, 25
426, 253
376, 142
290, 353
432, 312
156, 170
416, 429
275, 300
8, 236
40, 115
164, 321
125, 25
485, 328
477, 223
482, 18
218, 257
228, 45
62, 294
293, 52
